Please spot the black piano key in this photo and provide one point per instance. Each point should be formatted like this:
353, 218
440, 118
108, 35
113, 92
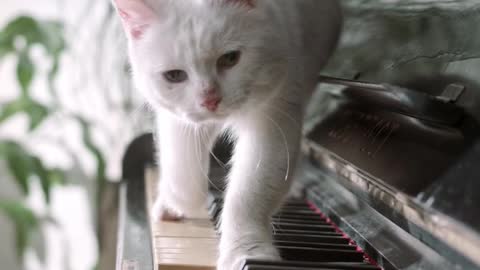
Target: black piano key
217, 205
312, 216
295, 205
298, 267
216, 213
212, 214
297, 212
305, 208
303, 216
311, 238
311, 221
295, 200
305, 232
319, 255
305, 240
287, 265
309, 227
301, 221
304, 212
272, 267
315, 245
211, 200
213, 204
211, 209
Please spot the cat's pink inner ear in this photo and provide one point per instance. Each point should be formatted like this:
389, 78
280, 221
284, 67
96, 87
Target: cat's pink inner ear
136, 16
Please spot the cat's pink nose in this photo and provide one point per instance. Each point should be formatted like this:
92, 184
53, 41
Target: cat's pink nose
211, 103
211, 99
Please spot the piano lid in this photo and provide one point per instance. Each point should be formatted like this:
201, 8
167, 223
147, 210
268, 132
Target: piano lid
411, 155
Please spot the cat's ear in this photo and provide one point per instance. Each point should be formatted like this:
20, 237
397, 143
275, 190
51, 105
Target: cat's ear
136, 16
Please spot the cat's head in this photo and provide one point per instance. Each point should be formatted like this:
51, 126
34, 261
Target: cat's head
202, 59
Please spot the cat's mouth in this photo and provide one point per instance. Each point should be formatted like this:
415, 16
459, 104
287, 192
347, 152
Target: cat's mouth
205, 117
221, 114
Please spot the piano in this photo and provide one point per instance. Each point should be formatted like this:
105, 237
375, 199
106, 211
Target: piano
389, 179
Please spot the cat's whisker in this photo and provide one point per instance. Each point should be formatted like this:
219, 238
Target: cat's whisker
295, 122
134, 115
191, 132
223, 165
196, 151
259, 162
287, 174
273, 228
201, 134
197, 145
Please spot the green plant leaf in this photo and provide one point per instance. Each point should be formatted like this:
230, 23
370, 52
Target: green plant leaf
53, 37
37, 114
57, 177
35, 111
6, 46
52, 74
44, 177
101, 176
24, 26
25, 71
47, 33
47, 177
25, 223
92, 148
10, 109
22, 165
18, 162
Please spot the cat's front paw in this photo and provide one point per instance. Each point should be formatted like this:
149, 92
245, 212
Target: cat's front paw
160, 212
232, 258
174, 207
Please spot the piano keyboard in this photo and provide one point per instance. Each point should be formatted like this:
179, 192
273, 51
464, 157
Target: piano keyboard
306, 240
190, 244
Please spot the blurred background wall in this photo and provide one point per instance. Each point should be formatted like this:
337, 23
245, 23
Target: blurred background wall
67, 113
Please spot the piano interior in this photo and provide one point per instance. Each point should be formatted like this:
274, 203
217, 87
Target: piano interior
389, 175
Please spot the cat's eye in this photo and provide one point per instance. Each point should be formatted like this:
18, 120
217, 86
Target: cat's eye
175, 76
229, 60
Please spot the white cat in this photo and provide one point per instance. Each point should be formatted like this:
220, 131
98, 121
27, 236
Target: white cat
245, 67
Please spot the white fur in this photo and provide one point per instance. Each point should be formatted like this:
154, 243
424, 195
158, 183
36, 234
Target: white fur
284, 44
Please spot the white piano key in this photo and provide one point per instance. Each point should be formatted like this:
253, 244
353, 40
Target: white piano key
185, 228
190, 244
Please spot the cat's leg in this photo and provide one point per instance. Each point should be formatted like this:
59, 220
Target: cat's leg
263, 163
183, 156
